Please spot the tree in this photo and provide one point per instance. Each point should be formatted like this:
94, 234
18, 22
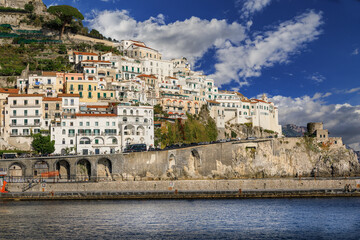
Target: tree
96, 34
66, 15
29, 7
43, 144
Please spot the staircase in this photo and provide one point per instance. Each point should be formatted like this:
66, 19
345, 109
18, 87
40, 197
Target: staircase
29, 186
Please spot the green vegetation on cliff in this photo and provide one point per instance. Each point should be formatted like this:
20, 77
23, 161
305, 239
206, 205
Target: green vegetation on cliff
198, 128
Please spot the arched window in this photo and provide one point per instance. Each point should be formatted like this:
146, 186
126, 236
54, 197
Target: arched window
124, 112
131, 112
145, 120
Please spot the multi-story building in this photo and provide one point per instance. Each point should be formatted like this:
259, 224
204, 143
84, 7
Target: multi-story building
136, 124
52, 111
87, 133
101, 132
4, 93
77, 57
23, 117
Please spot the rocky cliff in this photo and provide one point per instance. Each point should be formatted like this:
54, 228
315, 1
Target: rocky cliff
291, 157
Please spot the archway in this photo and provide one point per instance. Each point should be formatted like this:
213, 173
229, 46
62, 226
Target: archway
172, 161
16, 170
197, 160
83, 170
64, 169
40, 167
104, 169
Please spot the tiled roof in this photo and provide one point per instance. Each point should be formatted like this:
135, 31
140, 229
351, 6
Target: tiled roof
85, 53
148, 76
52, 99
9, 90
96, 61
26, 95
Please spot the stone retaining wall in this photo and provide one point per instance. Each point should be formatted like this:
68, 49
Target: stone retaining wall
190, 185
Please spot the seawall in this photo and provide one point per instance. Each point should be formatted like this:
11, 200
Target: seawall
186, 189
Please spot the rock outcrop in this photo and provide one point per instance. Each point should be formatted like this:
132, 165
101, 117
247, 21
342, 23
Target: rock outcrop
291, 157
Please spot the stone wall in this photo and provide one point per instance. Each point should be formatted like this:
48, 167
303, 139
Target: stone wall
267, 158
191, 185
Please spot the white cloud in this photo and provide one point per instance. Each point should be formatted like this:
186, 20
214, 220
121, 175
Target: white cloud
355, 52
342, 120
317, 77
237, 62
252, 6
353, 90
190, 38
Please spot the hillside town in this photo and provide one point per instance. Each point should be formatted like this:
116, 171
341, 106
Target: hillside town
107, 103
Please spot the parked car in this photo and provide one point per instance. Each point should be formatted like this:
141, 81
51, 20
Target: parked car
250, 138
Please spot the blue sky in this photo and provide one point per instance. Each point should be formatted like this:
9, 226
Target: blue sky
303, 53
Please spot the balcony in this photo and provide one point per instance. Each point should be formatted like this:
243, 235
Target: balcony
25, 106
25, 116
97, 134
25, 125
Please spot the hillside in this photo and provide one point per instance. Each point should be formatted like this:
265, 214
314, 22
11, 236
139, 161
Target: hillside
292, 130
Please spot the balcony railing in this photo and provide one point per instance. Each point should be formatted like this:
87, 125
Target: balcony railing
25, 116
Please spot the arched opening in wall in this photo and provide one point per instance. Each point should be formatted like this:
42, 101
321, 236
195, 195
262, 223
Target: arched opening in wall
140, 131
104, 169
64, 169
63, 151
197, 160
40, 167
129, 130
16, 170
172, 161
111, 141
83, 170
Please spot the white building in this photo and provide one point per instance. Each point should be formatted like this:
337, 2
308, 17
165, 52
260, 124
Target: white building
136, 124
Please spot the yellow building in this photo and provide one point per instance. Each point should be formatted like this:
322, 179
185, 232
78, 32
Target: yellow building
87, 89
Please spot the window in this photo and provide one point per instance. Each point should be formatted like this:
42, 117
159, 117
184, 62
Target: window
64, 124
63, 141
72, 102
96, 123
25, 122
81, 124
36, 102
80, 87
71, 141
113, 123
25, 102
36, 112
89, 88
49, 81
63, 131
13, 122
25, 112
89, 95
107, 124
87, 124
80, 93
46, 115
14, 112
71, 87
57, 106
